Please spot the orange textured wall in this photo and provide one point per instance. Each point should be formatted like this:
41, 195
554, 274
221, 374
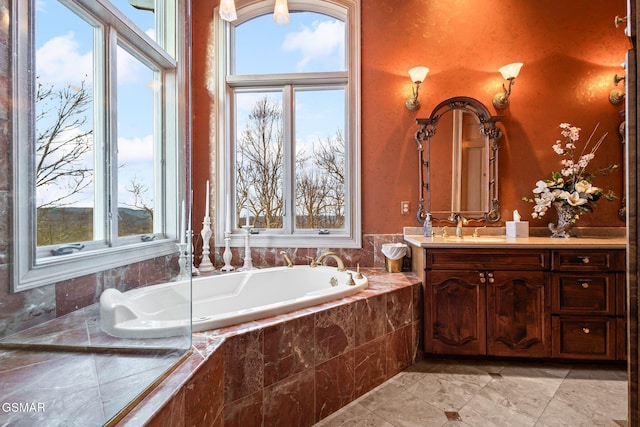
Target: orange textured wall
571, 53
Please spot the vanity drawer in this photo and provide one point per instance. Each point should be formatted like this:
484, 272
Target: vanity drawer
584, 337
588, 294
483, 259
587, 260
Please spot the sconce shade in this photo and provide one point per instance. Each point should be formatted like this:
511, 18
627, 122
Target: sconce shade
418, 74
228, 10
281, 12
511, 71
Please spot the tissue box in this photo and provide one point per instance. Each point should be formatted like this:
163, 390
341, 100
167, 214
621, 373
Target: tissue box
517, 228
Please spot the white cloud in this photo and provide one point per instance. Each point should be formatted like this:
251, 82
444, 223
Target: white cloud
60, 61
320, 42
135, 149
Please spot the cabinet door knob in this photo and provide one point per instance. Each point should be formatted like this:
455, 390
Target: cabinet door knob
585, 260
584, 285
586, 330
490, 276
482, 279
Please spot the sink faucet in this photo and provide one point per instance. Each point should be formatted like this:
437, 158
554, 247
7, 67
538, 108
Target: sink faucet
460, 221
334, 256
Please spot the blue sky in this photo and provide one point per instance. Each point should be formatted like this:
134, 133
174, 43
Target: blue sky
310, 43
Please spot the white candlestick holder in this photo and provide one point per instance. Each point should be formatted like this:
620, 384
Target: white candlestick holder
205, 265
227, 255
182, 263
248, 264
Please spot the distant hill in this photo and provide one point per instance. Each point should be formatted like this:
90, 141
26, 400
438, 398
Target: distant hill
75, 224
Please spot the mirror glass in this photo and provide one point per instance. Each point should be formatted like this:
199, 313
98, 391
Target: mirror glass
458, 148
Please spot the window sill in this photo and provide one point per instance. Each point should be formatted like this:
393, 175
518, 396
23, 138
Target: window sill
65, 267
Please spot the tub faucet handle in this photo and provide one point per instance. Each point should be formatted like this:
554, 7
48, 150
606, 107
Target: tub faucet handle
313, 262
350, 281
358, 274
286, 258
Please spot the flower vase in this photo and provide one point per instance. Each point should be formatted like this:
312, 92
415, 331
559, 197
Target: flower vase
566, 219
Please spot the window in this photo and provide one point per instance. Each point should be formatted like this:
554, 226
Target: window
289, 148
96, 139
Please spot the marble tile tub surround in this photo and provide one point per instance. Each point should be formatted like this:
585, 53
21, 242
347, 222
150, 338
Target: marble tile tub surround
297, 368
370, 255
25, 309
28, 308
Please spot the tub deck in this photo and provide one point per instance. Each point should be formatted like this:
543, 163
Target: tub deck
96, 400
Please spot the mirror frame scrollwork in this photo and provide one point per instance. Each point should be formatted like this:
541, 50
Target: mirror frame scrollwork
428, 129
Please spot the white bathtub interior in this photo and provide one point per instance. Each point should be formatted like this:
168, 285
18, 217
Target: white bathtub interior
221, 300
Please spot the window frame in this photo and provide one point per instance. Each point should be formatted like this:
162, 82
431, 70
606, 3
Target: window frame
29, 268
226, 84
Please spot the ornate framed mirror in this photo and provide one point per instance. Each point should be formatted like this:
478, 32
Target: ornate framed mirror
458, 155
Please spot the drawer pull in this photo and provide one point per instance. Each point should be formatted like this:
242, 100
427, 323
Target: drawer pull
585, 260
586, 330
584, 285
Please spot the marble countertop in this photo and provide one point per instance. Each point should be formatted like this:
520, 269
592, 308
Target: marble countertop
503, 242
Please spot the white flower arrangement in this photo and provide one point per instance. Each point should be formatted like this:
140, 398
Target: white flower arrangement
572, 185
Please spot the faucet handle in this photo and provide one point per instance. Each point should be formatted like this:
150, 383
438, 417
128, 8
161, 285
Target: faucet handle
358, 274
445, 233
313, 262
476, 231
350, 281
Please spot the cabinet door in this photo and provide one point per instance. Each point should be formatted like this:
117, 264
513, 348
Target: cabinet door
455, 313
518, 314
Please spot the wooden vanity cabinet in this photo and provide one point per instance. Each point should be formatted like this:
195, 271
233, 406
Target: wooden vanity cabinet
492, 302
588, 316
537, 303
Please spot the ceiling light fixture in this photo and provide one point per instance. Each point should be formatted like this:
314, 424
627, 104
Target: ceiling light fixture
281, 12
228, 10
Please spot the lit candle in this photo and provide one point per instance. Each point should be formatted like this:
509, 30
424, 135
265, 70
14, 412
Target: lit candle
206, 209
183, 224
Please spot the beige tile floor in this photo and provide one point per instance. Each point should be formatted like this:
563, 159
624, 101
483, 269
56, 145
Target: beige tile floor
496, 393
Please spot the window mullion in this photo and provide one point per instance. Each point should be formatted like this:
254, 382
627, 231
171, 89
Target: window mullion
110, 160
289, 160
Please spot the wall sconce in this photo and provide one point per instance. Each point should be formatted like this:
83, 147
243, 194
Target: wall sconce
228, 10
616, 96
509, 72
417, 75
281, 12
